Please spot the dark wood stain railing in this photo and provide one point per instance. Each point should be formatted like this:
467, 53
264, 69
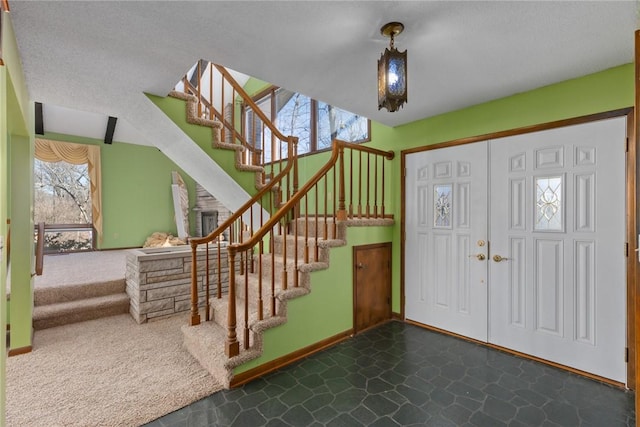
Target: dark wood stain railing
296, 234
40, 249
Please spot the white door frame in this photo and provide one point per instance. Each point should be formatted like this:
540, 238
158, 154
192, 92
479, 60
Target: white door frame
631, 227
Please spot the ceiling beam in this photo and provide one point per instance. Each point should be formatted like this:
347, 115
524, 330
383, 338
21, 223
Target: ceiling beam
39, 119
111, 128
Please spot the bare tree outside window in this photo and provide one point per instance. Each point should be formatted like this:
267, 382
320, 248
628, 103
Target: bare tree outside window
63, 197
316, 124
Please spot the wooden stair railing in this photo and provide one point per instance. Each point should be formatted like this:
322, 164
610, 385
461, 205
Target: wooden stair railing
219, 96
233, 230
303, 226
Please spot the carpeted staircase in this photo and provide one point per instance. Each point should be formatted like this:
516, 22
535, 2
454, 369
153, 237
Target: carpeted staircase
61, 305
206, 341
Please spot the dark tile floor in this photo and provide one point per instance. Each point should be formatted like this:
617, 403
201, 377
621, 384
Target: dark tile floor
399, 374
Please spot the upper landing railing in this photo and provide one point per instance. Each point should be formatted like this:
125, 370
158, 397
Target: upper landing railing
221, 98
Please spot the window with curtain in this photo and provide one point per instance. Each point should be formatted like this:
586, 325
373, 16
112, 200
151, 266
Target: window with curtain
67, 193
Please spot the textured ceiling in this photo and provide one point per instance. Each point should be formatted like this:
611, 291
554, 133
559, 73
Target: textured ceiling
85, 54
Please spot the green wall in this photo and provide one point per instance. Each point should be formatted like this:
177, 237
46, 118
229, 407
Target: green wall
136, 192
15, 145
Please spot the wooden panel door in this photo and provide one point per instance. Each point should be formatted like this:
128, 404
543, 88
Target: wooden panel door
372, 285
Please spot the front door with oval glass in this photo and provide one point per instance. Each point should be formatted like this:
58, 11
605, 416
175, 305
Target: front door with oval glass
519, 242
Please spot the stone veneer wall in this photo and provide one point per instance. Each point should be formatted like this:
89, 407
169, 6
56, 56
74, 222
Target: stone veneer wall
159, 280
205, 202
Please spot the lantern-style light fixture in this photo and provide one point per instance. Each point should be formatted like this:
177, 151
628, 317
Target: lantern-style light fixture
392, 72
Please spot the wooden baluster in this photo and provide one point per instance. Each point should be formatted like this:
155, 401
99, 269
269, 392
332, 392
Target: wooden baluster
211, 115
198, 89
232, 346
223, 136
284, 259
306, 228
368, 184
241, 240
342, 210
293, 148
335, 204
351, 184
273, 275
251, 234
219, 267
246, 300
359, 184
326, 207
207, 306
382, 196
195, 315
375, 189
260, 301
295, 246
317, 220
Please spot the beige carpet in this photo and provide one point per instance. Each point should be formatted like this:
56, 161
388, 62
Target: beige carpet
82, 267
104, 372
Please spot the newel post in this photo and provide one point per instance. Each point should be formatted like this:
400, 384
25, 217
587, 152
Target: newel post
232, 346
342, 209
195, 315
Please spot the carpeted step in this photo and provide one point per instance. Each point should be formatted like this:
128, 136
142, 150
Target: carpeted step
306, 245
62, 313
67, 293
205, 342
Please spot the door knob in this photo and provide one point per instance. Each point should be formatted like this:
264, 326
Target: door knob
480, 257
498, 258
361, 266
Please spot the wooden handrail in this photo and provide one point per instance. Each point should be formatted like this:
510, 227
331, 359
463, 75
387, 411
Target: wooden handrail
40, 249
338, 147
247, 98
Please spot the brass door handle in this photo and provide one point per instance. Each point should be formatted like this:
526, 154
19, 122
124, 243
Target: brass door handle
498, 258
480, 257
361, 266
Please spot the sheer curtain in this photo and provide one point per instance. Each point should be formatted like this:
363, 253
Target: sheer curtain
55, 151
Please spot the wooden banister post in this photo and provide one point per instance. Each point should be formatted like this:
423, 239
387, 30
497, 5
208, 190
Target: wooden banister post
342, 210
195, 315
232, 346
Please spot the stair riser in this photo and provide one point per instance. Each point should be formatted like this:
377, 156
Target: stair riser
308, 251
46, 296
309, 229
219, 316
80, 316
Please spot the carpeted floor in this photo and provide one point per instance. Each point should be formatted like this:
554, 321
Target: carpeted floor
82, 267
105, 372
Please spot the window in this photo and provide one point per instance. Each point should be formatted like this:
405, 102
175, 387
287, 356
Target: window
63, 202
315, 123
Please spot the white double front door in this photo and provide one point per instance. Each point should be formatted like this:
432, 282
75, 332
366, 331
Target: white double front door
519, 242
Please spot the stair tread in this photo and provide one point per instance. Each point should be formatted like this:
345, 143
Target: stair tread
88, 304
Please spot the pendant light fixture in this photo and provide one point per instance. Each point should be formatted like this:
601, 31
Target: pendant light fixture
392, 71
